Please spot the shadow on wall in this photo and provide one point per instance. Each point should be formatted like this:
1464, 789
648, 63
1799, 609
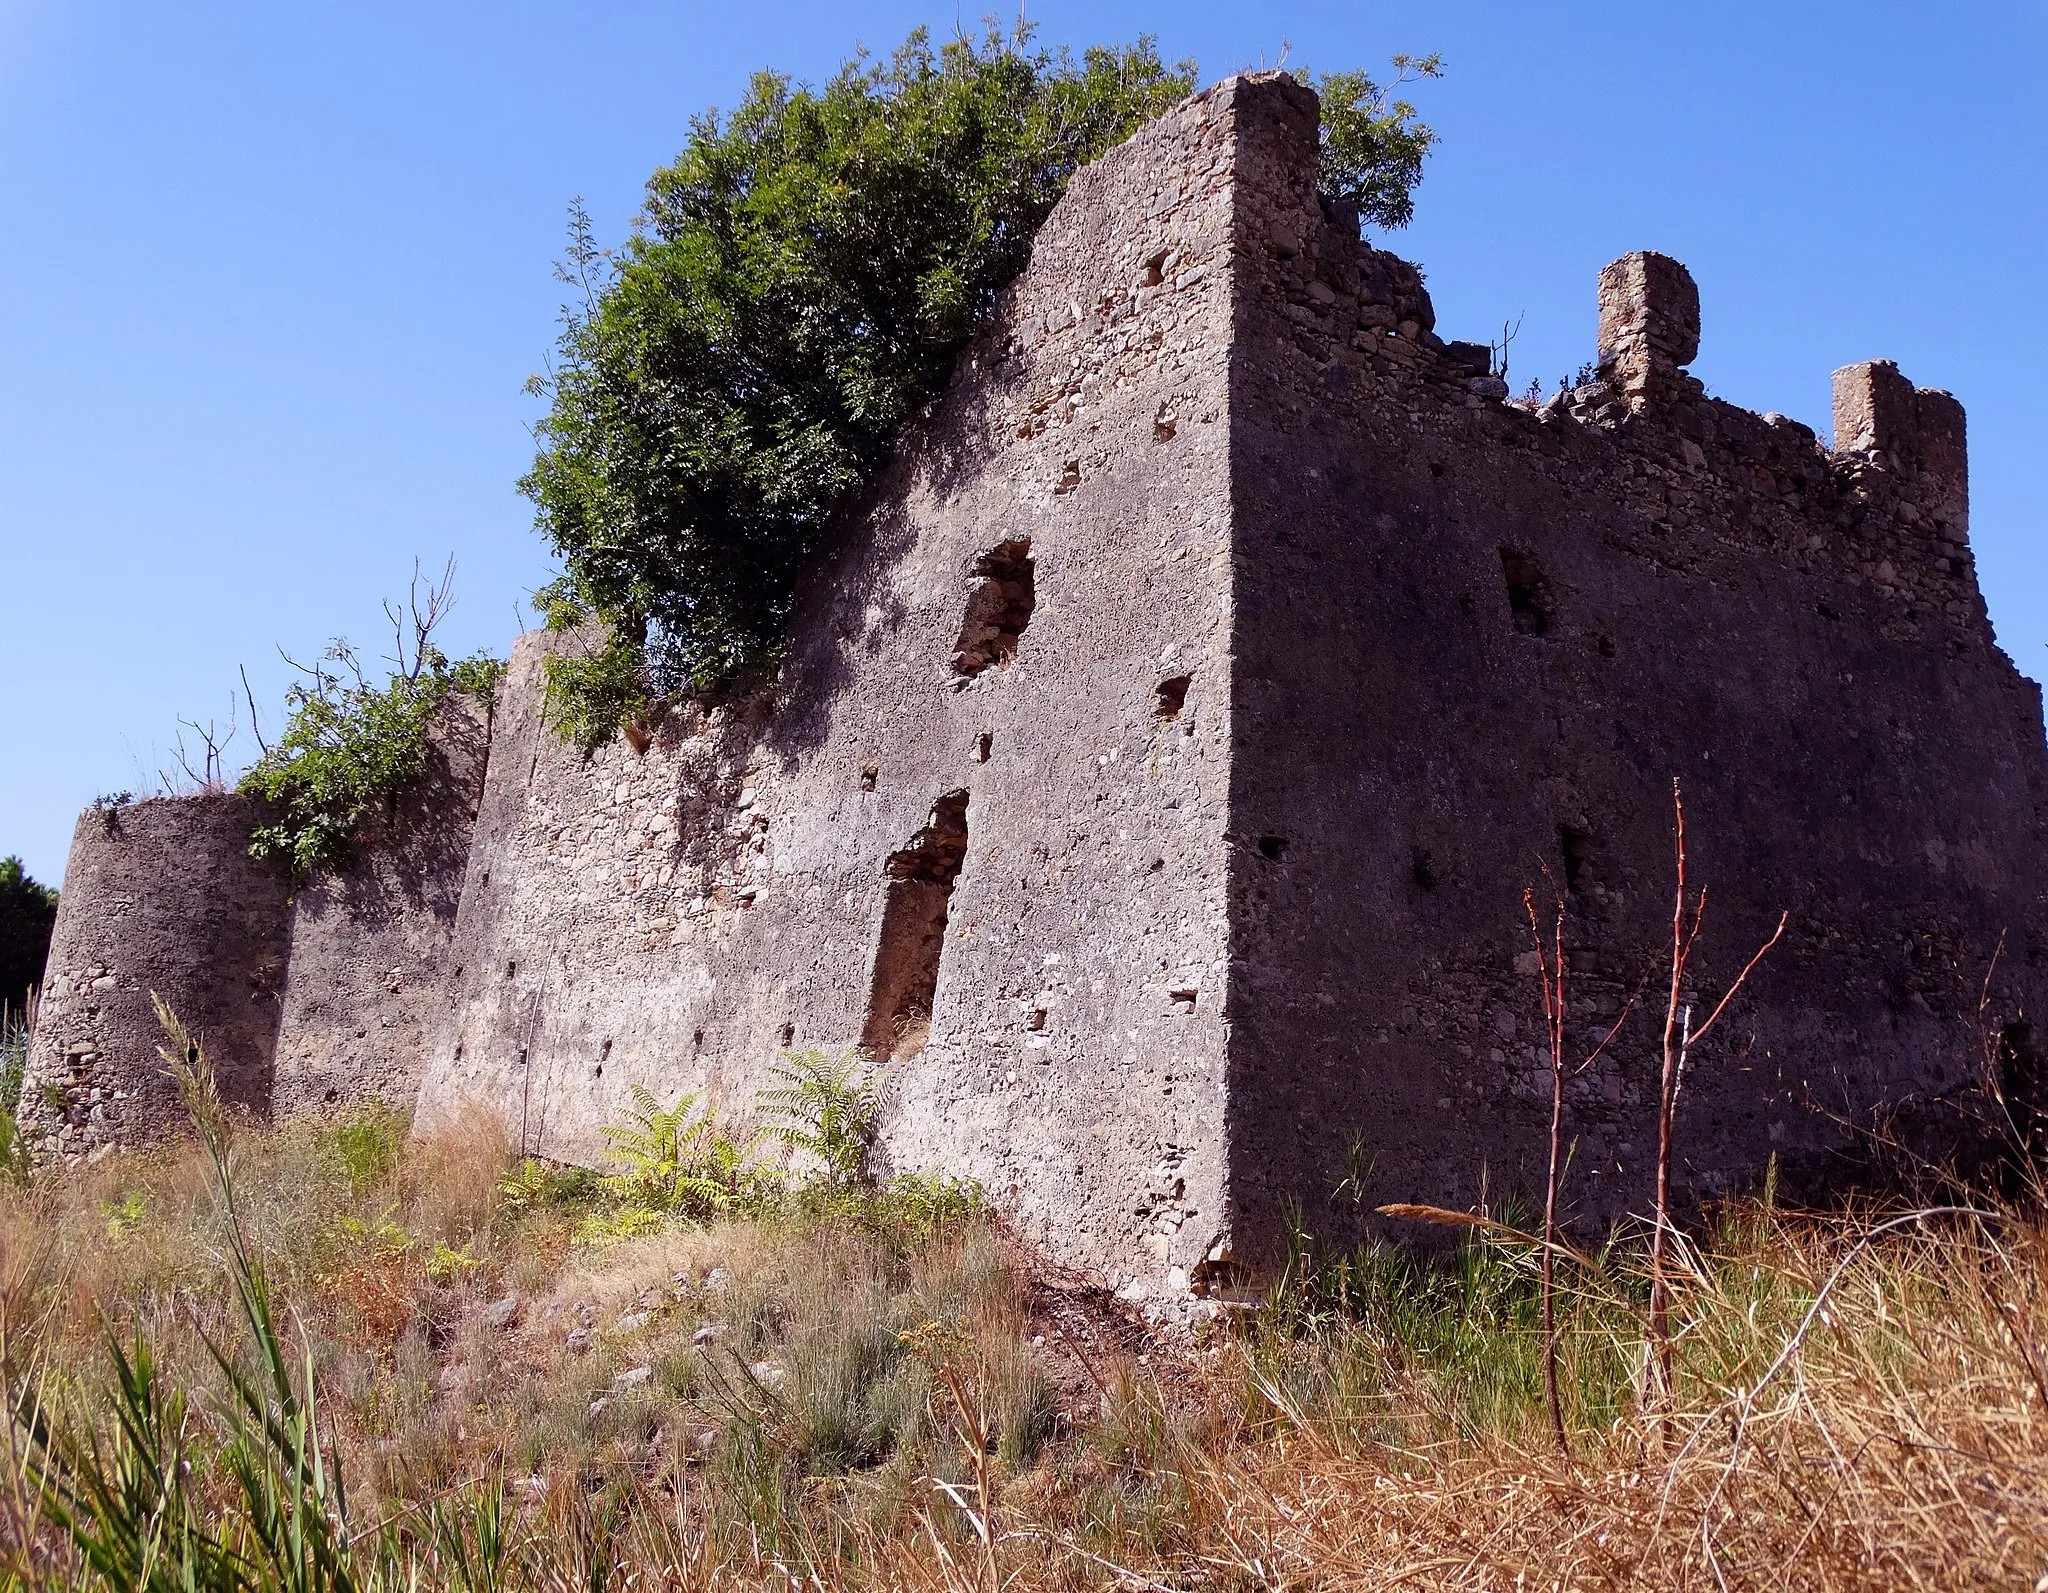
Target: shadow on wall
416, 865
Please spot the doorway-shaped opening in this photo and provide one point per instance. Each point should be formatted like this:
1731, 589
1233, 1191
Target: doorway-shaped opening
1000, 599
915, 903
1529, 604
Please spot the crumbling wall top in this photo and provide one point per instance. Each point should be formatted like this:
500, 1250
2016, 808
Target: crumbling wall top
1881, 417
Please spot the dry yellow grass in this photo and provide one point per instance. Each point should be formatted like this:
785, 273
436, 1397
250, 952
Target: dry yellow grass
1860, 1402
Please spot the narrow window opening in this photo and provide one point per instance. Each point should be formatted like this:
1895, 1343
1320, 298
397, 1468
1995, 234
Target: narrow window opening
511, 968
1272, 847
1577, 846
1422, 869
1170, 696
1528, 592
983, 743
915, 904
788, 1034
868, 774
999, 603
1155, 271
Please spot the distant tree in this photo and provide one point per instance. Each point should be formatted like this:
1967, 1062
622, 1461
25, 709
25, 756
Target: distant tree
796, 288
28, 912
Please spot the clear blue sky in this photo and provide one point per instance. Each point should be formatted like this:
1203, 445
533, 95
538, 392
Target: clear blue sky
278, 271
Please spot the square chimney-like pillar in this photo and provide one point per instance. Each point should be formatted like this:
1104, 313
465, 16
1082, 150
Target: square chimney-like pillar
1649, 325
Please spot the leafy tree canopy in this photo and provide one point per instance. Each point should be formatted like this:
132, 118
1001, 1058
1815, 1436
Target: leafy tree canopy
795, 289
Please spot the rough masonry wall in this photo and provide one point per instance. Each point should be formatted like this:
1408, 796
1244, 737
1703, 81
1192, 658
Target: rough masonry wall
366, 988
1025, 634
304, 1002
159, 896
1478, 639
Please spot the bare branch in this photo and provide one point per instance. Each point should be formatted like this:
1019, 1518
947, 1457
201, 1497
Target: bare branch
1776, 935
255, 723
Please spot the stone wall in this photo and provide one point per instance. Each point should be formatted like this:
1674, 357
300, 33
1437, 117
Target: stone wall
159, 897
1477, 640
366, 987
1022, 637
1163, 747
1162, 754
304, 1002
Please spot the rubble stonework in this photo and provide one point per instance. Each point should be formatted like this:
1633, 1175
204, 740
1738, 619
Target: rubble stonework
305, 1000
1162, 750
366, 984
161, 899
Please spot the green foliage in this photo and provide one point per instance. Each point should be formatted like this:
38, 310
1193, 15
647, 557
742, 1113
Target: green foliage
365, 1143
14, 1038
903, 1212
349, 747
677, 1162
125, 1215
1467, 1323
593, 692
828, 1110
535, 1185
28, 912
134, 1500
795, 289
675, 1159
1372, 145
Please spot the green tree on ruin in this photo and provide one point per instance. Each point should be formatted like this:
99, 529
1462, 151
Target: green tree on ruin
796, 287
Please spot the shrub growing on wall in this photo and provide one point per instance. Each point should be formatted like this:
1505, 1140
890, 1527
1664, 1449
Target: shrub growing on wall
351, 745
796, 288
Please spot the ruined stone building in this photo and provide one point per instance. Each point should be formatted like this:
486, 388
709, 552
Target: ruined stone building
1159, 760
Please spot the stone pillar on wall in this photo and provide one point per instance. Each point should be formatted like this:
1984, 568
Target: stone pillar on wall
1917, 431
160, 897
1649, 326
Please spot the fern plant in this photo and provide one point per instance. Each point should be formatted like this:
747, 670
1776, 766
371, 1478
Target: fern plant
674, 1158
829, 1110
